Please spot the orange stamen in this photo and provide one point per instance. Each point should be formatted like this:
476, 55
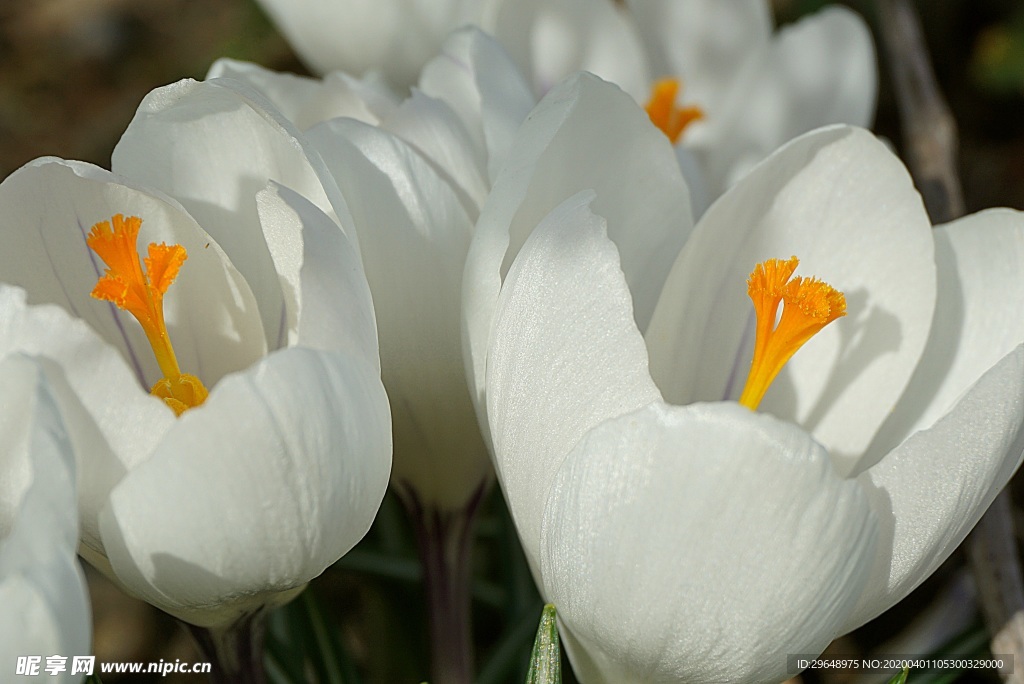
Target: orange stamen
809, 305
142, 294
664, 113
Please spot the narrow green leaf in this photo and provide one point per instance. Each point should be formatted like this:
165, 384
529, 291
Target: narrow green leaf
276, 672
93, 679
302, 646
378, 564
900, 677
972, 642
546, 660
284, 652
329, 658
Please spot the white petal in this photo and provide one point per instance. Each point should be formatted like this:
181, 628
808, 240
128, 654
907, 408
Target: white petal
329, 302
112, 422
551, 39
18, 395
395, 38
414, 236
977, 322
696, 182
432, 127
565, 355
304, 101
476, 77
38, 463
380, 98
931, 490
586, 134
841, 202
51, 206
702, 42
213, 146
816, 72
274, 478
702, 544
42, 589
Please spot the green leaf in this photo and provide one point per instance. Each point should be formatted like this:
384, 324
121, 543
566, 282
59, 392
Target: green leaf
386, 565
302, 646
546, 660
329, 659
276, 673
901, 677
93, 679
284, 655
972, 642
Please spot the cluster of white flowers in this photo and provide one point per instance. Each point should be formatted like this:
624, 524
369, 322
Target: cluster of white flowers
464, 248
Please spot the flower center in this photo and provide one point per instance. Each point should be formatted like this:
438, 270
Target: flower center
142, 295
664, 113
810, 305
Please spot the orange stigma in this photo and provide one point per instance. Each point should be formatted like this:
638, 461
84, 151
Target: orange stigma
664, 113
142, 295
809, 305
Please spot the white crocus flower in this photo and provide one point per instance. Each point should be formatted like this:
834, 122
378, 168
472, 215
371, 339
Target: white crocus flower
414, 175
682, 535
249, 494
752, 88
714, 75
549, 38
42, 589
755, 88
393, 38
307, 101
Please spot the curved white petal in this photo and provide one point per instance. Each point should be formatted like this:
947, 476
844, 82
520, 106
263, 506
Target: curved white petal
565, 355
396, 38
841, 202
816, 72
702, 544
380, 98
112, 422
586, 134
414, 237
702, 42
42, 589
432, 127
274, 478
214, 145
16, 432
476, 77
696, 182
977, 322
304, 101
931, 490
328, 299
52, 204
551, 39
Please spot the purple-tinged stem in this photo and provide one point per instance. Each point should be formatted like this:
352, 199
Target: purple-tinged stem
236, 652
444, 539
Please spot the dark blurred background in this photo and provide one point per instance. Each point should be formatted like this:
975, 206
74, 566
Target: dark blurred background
72, 73
977, 47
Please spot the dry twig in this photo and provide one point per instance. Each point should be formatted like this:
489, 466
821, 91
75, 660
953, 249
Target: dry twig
930, 139
929, 129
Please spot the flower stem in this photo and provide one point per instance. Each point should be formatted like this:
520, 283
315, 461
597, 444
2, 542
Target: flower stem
236, 652
444, 539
